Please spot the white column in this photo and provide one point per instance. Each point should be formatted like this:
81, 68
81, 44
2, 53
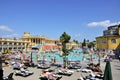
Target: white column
8, 45
17, 46
40, 41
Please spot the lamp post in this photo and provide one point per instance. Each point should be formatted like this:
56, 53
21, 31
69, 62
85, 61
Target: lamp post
1, 71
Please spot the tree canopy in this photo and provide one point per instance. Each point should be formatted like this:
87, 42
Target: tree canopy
84, 43
76, 41
64, 38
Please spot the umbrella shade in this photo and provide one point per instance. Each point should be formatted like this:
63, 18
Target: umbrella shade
107, 73
36, 47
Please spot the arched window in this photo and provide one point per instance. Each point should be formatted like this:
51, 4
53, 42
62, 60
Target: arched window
113, 41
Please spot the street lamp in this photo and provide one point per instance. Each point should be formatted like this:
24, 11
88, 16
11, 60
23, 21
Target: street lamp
1, 71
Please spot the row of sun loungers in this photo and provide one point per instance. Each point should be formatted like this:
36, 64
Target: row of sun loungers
60, 71
21, 70
92, 74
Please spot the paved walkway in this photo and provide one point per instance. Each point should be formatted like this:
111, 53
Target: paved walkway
115, 65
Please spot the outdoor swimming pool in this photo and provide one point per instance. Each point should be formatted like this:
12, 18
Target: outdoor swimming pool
75, 55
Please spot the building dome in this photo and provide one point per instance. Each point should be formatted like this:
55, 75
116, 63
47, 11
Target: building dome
26, 34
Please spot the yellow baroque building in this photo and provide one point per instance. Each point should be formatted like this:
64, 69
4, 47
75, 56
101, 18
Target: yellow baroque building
72, 45
110, 39
40, 42
27, 42
9, 44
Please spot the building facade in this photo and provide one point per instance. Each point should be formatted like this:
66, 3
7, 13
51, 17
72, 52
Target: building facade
72, 45
110, 39
40, 42
9, 44
28, 42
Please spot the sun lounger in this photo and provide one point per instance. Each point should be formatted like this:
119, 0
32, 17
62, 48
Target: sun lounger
58, 65
74, 67
92, 76
23, 73
43, 66
50, 69
57, 77
9, 77
68, 73
16, 67
89, 77
84, 70
99, 76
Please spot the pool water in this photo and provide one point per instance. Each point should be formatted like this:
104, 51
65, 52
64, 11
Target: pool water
74, 56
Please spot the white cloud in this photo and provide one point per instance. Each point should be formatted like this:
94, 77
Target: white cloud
10, 35
105, 23
5, 28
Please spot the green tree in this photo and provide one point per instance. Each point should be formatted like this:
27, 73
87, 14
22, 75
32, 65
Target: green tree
64, 38
76, 41
91, 44
84, 43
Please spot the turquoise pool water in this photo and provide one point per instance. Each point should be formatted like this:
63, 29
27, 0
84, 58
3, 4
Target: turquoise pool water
74, 56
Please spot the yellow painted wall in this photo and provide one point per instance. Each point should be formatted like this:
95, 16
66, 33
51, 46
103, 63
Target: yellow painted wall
100, 44
108, 44
113, 45
72, 45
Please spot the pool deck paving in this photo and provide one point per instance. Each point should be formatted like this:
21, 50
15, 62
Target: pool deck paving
115, 66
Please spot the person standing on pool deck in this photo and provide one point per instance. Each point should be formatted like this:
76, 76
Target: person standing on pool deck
54, 59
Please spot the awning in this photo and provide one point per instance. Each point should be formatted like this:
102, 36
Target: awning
52, 47
48, 47
35, 47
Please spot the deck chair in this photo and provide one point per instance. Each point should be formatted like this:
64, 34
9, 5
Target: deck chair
9, 77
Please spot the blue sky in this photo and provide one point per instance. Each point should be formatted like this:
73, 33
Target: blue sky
78, 18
